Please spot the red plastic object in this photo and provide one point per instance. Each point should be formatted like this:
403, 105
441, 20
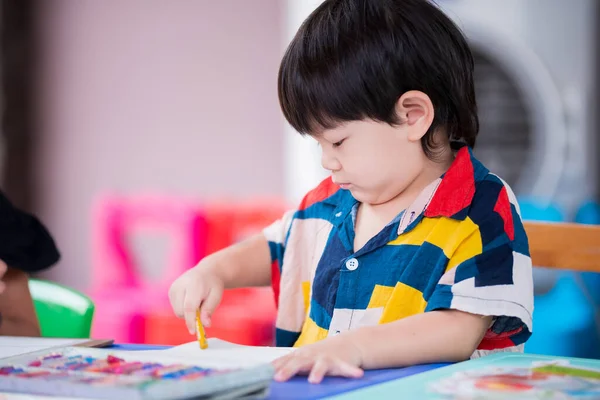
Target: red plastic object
230, 222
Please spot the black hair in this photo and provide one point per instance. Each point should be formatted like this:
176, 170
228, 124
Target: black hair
353, 59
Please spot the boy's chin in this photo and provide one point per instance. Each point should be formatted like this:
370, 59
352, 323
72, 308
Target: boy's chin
367, 197
361, 195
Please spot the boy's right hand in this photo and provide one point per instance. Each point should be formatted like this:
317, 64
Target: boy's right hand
198, 287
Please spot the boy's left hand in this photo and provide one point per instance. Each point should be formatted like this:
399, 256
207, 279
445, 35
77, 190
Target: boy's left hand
337, 356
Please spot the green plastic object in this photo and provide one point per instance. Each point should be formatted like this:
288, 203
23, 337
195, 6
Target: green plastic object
62, 312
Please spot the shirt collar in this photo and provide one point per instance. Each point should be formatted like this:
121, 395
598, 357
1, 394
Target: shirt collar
448, 196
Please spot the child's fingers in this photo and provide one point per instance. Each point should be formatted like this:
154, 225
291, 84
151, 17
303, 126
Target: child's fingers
210, 303
191, 303
293, 366
278, 363
342, 368
176, 299
205, 317
318, 371
333, 367
318, 368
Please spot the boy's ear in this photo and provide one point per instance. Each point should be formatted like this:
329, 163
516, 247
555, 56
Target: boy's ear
415, 109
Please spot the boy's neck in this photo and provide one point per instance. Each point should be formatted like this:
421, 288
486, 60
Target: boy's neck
432, 171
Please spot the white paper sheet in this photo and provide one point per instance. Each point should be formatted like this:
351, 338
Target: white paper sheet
220, 354
14, 345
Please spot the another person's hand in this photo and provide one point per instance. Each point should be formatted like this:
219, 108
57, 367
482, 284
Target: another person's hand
197, 287
335, 356
3, 269
16, 305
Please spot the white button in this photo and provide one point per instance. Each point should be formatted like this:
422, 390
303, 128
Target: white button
352, 264
338, 214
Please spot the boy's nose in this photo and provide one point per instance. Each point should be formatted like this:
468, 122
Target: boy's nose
330, 163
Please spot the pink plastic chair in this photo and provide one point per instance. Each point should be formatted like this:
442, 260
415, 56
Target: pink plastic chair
123, 295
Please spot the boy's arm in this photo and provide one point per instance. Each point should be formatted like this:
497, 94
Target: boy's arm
244, 264
16, 306
437, 336
251, 262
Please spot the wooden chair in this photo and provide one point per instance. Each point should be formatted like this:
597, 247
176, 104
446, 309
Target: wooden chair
568, 246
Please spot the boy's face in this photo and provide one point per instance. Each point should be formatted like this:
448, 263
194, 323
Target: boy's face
374, 161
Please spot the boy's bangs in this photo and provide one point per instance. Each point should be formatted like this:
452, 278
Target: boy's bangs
312, 102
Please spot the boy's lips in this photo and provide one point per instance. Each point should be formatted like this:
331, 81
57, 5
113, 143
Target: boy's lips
342, 184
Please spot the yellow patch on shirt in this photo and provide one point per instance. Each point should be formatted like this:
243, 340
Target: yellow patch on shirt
403, 302
380, 296
306, 295
311, 333
445, 233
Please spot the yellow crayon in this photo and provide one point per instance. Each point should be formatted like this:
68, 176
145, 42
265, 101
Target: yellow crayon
200, 332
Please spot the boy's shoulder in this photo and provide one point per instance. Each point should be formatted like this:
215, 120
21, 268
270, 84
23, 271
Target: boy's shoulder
472, 193
324, 201
469, 189
323, 192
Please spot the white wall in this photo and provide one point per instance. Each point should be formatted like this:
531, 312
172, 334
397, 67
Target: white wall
159, 96
303, 169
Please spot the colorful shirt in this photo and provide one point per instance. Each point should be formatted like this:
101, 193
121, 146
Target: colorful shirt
461, 245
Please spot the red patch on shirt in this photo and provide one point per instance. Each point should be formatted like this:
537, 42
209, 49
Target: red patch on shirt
325, 189
457, 188
503, 208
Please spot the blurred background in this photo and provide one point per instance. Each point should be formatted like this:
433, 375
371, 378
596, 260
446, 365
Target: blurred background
147, 134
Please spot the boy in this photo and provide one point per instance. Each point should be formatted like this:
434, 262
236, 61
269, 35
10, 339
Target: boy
412, 252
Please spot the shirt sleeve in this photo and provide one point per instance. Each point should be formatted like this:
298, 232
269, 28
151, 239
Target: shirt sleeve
490, 272
276, 235
25, 243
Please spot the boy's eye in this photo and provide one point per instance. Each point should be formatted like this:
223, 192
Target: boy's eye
338, 144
